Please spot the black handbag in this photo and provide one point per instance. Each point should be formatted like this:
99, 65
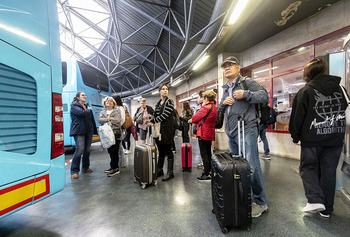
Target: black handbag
220, 119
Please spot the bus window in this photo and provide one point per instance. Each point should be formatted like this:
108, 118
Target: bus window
64, 73
93, 77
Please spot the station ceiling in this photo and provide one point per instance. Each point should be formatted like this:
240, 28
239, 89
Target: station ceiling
140, 44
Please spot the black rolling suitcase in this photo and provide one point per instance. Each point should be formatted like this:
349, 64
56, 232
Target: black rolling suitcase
231, 189
145, 163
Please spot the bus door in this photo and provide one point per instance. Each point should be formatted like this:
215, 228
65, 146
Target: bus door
25, 115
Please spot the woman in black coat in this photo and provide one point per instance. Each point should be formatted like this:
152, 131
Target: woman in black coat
186, 114
164, 114
82, 129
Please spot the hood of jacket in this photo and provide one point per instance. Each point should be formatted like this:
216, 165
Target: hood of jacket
326, 84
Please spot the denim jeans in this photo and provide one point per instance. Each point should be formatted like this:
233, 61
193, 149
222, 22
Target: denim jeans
82, 148
262, 134
318, 167
252, 155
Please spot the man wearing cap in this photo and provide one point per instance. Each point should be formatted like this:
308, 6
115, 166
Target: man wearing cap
235, 102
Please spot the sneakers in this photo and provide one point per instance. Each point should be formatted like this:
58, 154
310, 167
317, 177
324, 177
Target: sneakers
87, 171
314, 207
113, 172
200, 165
266, 157
75, 176
108, 170
204, 178
323, 214
257, 210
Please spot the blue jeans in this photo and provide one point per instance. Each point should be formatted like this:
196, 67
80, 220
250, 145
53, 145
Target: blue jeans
252, 155
82, 147
262, 134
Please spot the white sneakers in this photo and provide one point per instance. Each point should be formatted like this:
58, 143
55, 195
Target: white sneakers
314, 207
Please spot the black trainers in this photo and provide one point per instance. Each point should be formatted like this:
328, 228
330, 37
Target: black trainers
108, 170
113, 172
205, 178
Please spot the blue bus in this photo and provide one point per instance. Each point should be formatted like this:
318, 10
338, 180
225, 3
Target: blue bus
31, 115
78, 76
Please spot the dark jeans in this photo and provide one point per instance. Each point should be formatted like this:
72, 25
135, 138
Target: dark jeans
262, 134
126, 140
185, 136
113, 153
318, 167
205, 150
82, 148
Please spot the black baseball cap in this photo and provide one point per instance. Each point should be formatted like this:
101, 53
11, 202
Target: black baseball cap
230, 59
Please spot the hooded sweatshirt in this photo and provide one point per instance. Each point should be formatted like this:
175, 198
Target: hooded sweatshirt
318, 113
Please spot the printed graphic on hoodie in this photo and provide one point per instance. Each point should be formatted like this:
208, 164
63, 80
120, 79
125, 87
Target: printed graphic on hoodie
331, 118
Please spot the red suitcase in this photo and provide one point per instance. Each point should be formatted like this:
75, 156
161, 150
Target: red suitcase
186, 155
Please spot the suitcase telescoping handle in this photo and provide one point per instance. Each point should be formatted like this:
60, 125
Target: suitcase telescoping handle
241, 123
149, 136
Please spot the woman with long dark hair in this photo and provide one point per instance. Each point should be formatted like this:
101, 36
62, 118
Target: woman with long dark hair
186, 114
164, 114
318, 122
82, 129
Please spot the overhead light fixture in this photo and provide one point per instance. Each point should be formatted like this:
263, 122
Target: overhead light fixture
264, 70
155, 92
241, 4
185, 99
200, 62
137, 98
176, 82
212, 86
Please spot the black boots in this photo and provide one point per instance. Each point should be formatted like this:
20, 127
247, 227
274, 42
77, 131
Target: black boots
160, 172
170, 173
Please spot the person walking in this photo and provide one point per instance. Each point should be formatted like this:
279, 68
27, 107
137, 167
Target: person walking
112, 114
262, 134
164, 114
205, 120
186, 114
82, 129
318, 122
235, 102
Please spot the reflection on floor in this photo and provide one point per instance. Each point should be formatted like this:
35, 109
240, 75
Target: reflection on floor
95, 205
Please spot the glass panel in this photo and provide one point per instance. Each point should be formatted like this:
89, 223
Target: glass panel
291, 60
329, 46
259, 71
284, 89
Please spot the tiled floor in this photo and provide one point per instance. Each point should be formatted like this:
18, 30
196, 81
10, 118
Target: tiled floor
95, 205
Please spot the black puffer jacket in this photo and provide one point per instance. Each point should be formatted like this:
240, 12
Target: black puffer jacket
318, 117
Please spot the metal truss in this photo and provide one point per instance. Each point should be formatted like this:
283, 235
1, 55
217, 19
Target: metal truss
141, 52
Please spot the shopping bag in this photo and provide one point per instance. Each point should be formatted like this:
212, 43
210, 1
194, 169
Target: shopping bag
156, 130
106, 135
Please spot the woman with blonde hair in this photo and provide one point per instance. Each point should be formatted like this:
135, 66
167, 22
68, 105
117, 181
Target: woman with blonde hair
205, 119
112, 114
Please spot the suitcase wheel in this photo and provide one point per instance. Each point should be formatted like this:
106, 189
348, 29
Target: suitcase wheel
224, 230
213, 211
143, 186
155, 182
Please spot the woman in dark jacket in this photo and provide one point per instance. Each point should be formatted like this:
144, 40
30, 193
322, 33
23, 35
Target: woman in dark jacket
82, 128
206, 130
186, 114
318, 122
164, 114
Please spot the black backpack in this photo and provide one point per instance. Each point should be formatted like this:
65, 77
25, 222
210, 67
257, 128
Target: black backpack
262, 110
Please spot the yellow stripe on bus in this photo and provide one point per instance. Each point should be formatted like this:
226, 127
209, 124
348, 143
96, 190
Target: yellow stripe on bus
16, 196
40, 187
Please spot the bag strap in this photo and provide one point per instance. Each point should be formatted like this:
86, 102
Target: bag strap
345, 94
206, 116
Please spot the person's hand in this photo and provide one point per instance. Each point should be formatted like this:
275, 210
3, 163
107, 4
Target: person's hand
190, 121
111, 118
228, 101
238, 94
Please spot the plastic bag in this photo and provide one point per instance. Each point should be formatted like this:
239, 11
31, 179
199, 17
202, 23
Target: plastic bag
106, 135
